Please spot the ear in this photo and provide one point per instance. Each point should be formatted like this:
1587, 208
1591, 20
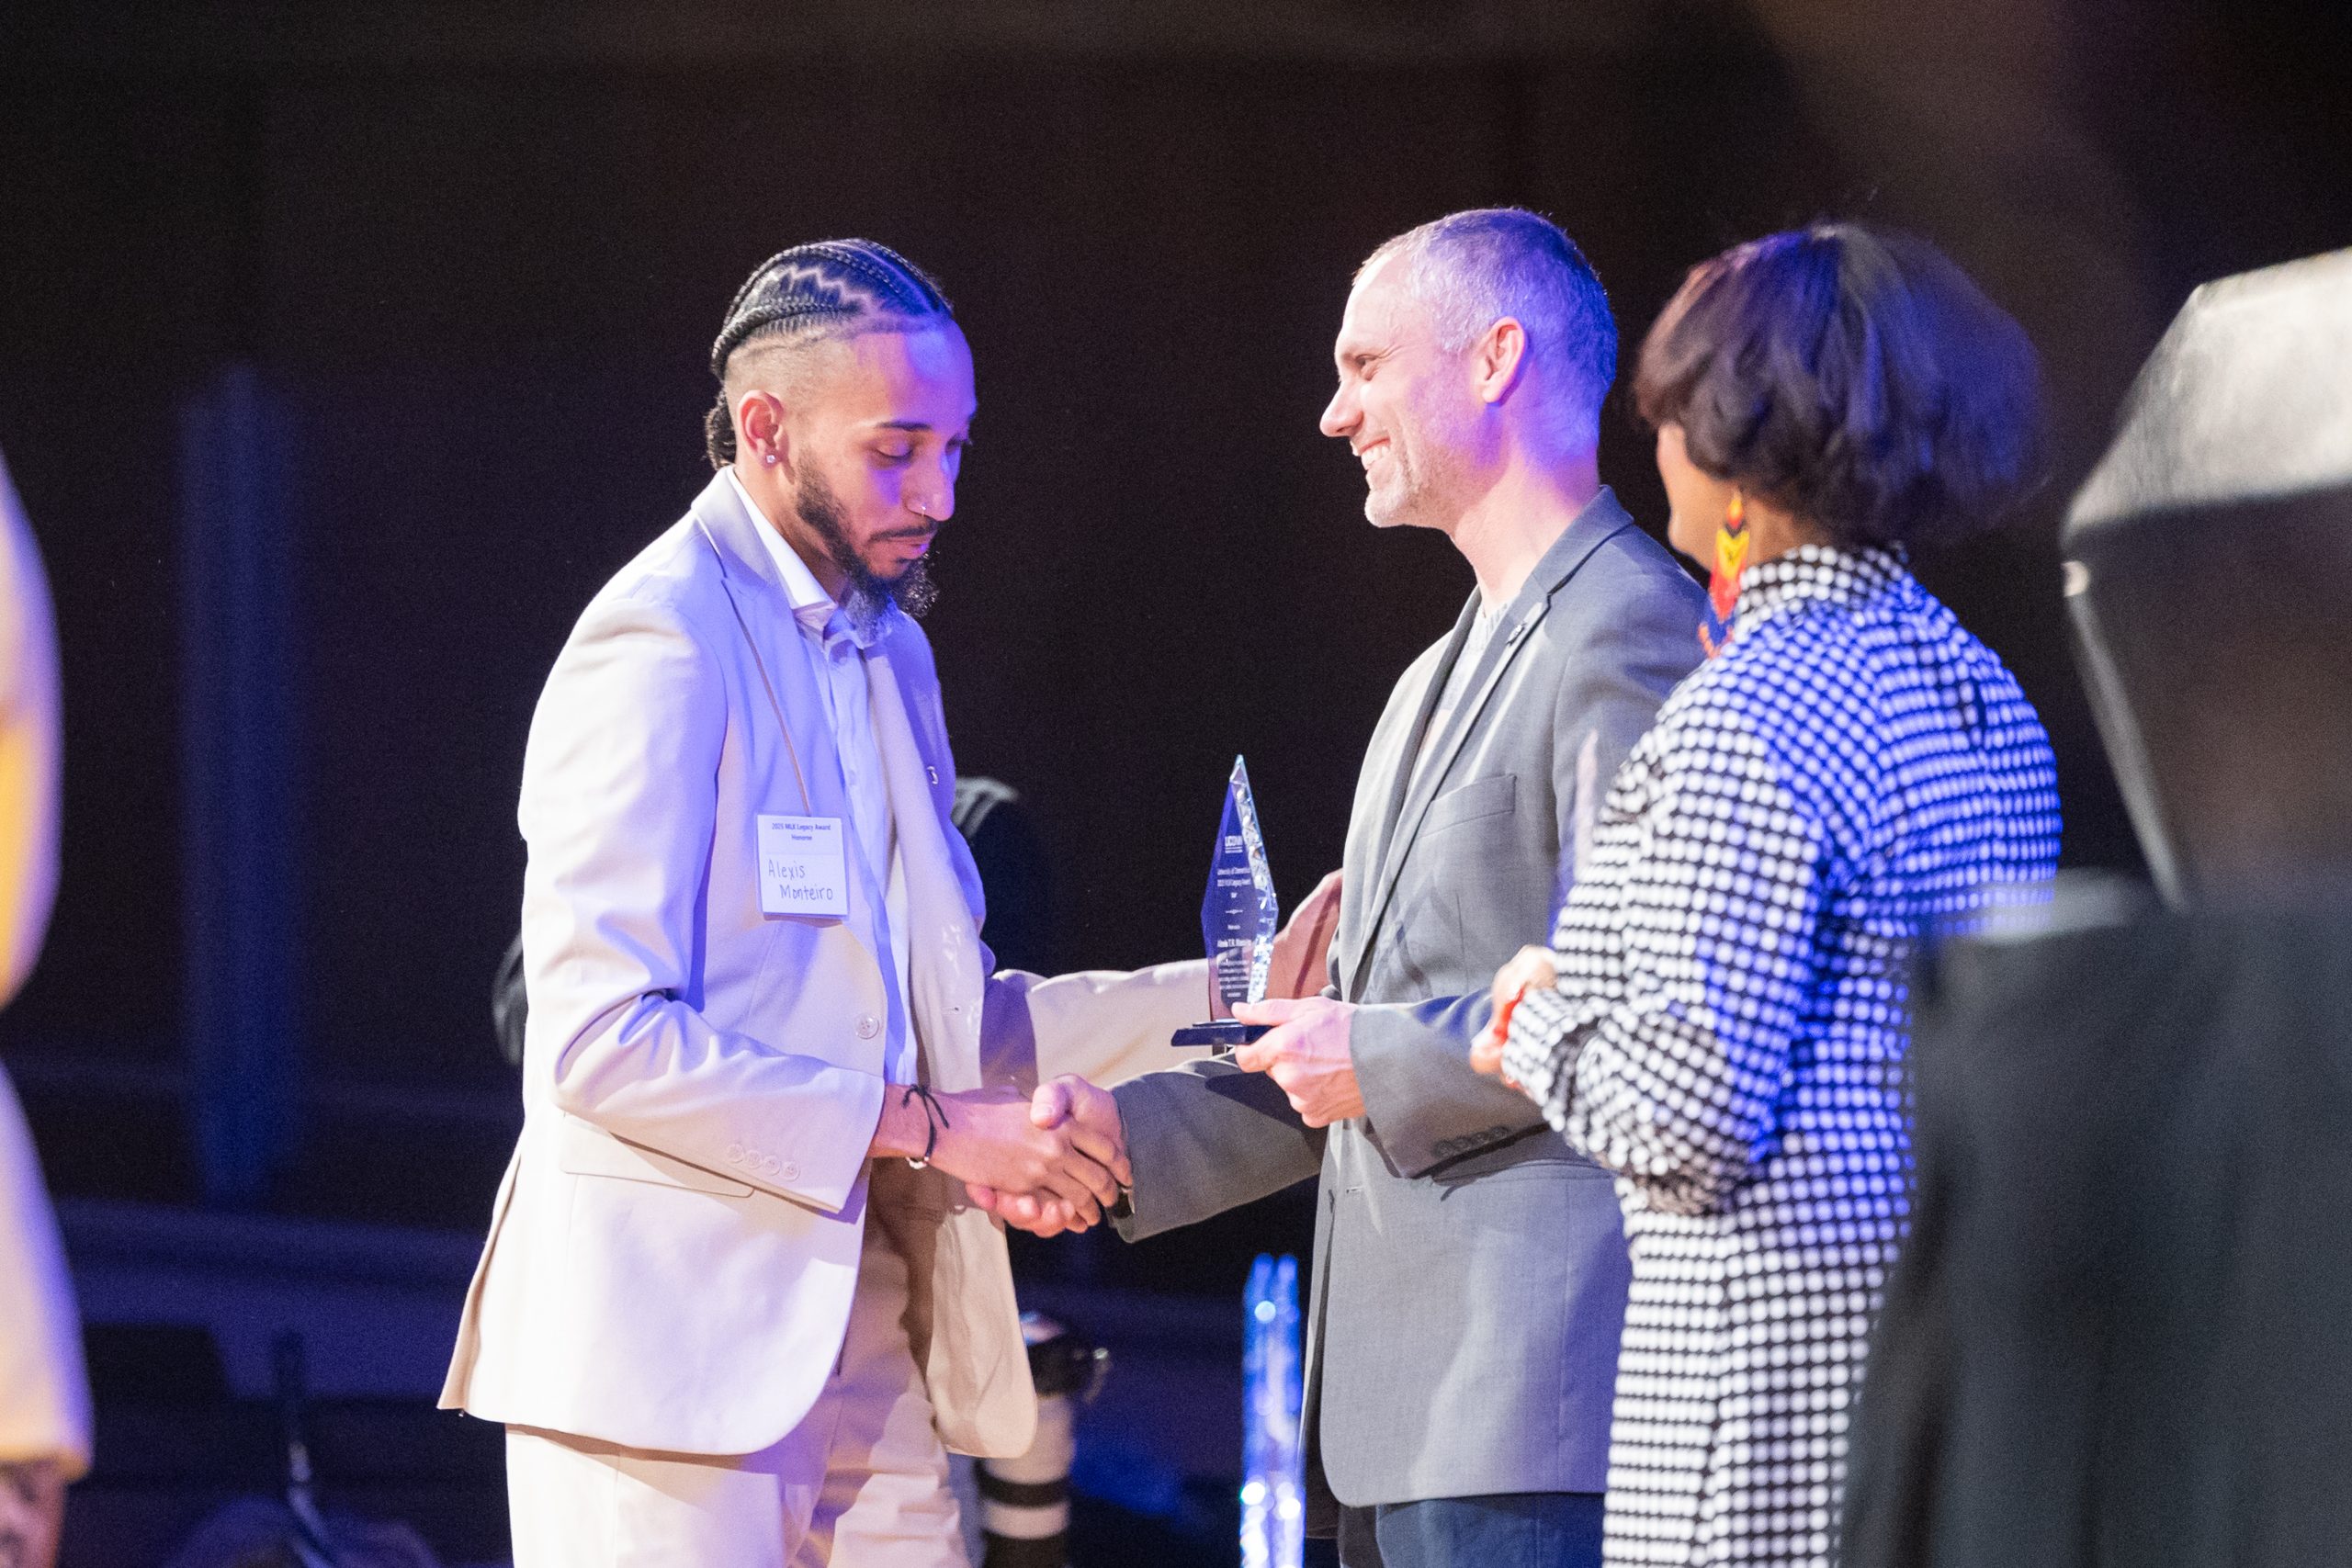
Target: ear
1498, 360
759, 429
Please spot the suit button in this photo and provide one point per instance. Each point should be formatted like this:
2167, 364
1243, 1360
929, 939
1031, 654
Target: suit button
788, 1172
735, 1154
868, 1026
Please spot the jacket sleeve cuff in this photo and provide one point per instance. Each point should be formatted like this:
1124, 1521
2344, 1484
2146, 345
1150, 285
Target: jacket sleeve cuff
1205, 1138
821, 1158
1420, 1094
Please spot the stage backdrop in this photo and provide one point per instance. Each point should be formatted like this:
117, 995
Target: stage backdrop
471, 287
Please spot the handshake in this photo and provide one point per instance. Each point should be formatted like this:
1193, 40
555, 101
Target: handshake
1056, 1160
1049, 1162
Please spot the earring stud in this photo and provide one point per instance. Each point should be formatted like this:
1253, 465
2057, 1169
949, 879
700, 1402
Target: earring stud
769, 459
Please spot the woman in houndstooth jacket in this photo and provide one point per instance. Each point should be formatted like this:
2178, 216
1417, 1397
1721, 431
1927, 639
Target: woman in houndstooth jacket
1722, 1015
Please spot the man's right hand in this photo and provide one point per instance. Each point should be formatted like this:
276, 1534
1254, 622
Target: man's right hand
996, 1143
1090, 1117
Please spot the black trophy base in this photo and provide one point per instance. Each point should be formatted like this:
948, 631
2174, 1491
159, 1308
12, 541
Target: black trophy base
1222, 1035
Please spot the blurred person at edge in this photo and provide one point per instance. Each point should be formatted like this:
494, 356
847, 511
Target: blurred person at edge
1722, 1014
734, 1307
44, 1393
1470, 1268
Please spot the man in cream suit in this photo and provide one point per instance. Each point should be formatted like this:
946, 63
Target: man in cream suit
44, 1396
735, 1305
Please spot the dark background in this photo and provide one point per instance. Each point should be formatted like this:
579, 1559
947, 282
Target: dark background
478, 254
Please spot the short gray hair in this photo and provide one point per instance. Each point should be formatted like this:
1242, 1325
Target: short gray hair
1471, 269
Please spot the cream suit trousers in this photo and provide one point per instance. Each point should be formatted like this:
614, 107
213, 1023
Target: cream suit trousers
861, 1482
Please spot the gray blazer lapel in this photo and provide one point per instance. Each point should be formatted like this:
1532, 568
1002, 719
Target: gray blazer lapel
1393, 778
1600, 518
1400, 763
1443, 748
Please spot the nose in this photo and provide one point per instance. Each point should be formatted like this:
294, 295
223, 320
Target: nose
1341, 414
933, 495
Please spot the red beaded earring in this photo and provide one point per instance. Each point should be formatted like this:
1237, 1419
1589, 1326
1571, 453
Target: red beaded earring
1722, 582
1731, 557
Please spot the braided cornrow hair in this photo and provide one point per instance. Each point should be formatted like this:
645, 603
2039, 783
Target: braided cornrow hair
832, 288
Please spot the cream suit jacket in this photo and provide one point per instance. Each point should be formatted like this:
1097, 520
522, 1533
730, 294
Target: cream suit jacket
44, 1396
673, 1248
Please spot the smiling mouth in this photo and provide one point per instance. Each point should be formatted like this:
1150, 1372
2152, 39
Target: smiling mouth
1365, 455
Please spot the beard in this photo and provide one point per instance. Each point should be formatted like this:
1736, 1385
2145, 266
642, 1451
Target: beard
1405, 494
1408, 498
870, 593
1426, 486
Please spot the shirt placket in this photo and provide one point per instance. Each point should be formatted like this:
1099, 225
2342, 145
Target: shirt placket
846, 683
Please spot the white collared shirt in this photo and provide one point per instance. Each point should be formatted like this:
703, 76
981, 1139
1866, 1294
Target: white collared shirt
837, 661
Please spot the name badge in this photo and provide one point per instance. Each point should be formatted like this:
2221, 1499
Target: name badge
804, 866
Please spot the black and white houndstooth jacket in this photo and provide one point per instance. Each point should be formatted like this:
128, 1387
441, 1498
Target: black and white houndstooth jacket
1853, 770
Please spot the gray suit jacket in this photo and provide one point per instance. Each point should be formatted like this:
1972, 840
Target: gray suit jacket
1470, 1271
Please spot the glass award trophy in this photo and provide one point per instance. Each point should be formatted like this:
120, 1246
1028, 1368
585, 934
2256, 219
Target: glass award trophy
1239, 919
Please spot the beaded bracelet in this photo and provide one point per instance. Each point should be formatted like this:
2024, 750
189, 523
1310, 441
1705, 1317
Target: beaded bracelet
935, 1117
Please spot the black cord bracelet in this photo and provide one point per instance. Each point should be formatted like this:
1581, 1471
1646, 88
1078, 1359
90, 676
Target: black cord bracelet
935, 1116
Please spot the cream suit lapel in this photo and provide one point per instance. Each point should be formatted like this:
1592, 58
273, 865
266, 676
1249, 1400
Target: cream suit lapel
763, 619
944, 943
963, 1324
808, 777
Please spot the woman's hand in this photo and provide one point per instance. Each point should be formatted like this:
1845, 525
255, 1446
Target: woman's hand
1532, 967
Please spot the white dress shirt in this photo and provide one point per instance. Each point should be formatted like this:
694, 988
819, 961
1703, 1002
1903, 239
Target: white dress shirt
836, 648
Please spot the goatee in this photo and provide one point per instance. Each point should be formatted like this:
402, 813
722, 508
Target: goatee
870, 593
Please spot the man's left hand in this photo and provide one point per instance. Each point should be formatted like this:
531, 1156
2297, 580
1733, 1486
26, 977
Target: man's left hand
1308, 1054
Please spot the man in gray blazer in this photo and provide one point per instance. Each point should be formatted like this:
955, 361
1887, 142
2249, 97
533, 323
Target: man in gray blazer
1470, 1273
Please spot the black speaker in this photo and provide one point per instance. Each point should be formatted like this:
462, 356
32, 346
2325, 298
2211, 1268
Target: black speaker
2209, 576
